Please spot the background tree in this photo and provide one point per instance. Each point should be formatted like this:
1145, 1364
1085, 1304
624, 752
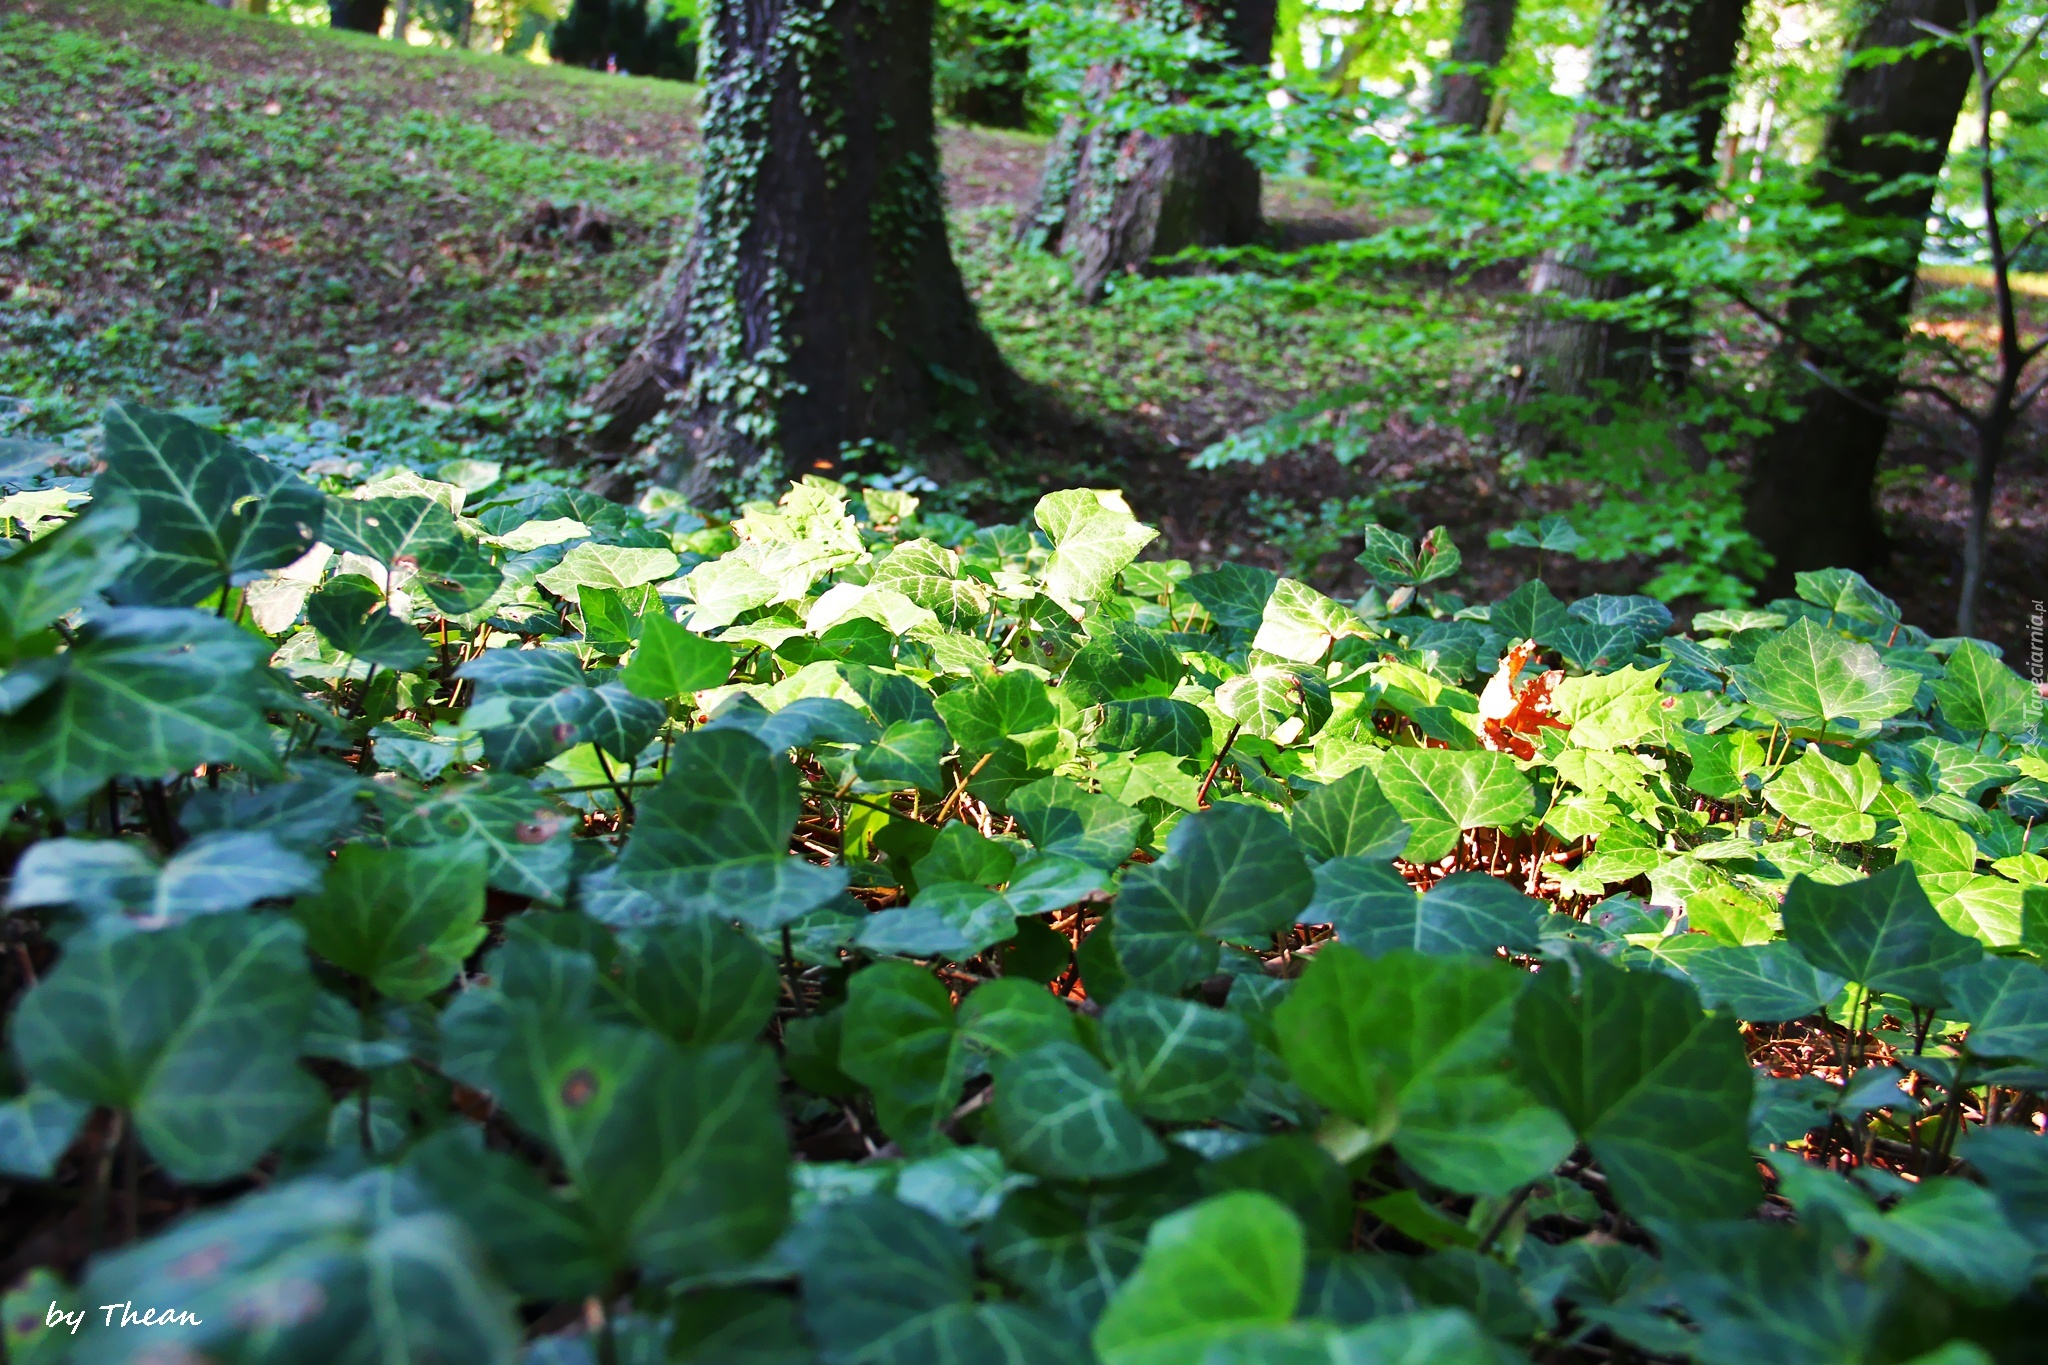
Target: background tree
819, 304
1880, 156
1661, 70
645, 36
1464, 90
359, 16
982, 64
1116, 198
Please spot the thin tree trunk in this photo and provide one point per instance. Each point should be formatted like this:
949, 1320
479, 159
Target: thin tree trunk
1653, 59
401, 18
819, 304
1117, 200
1811, 494
1464, 93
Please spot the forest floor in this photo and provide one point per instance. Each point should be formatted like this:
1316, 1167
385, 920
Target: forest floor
421, 253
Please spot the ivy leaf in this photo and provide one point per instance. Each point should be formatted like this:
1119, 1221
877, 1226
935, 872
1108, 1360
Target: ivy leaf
713, 836
212, 515
908, 752
674, 661
1659, 1090
1231, 873
2015, 1165
699, 982
929, 575
899, 1041
1978, 693
1227, 1265
1070, 1246
1300, 624
1349, 818
1280, 702
1530, 612
543, 1245
117, 884
404, 919
1832, 799
621, 723
1596, 646
2006, 1002
1809, 674
1375, 911
888, 1284
1061, 817
36, 1129
1164, 725
1175, 1059
1124, 663
193, 1030
521, 831
143, 692
1771, 1291
1844, 592
1058, 1114
1611, 710
1414, 1050
1094, 536
1441, 792
53, 576
1393, 559
546, 697
1234, 595
1880, 931
360, 1269
1763, 982
350, 613
589, 564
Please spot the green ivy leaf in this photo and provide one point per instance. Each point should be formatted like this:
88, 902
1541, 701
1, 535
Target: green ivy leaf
404, 919
1231, 873
1832, 799
523, 834
1763, 982
350, 613
621, 723
1880, 932
908, 752
1163, 725
1061, 817
1375, 911
212, 515
1069, 1247
1175, 1060
1094, 536
35, 1130
1393, 559
1659, 1090
193, 1030
929, 575
1229, 1264
1772, 1292
2006, 1002
1349, 818
1300, 624
1058, 1114
1442, 792
589, 564
53, 576
1234, 595
1280, 702
1530, 612
1978, 693
545, 698
1414, 1050
1808, 674
1611, 710
674, 661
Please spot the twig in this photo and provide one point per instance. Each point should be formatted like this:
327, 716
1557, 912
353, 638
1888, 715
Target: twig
1216, 766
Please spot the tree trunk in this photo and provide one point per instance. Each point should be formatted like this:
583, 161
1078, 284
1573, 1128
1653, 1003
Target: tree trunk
1464, 94
357, 16
1117, 200
1653, 59
401, 19
819, 305
1811, 496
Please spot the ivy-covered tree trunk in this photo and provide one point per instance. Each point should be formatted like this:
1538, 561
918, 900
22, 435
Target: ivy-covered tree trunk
1116, 200
1812, 480
1464, 91
1652, 60
819, 305
358, 16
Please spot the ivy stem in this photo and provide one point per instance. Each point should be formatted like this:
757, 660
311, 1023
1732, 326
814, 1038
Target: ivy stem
131, 1184
835, 795
1499, 1222
1216, 766
796, 994
102, 1181
604, 766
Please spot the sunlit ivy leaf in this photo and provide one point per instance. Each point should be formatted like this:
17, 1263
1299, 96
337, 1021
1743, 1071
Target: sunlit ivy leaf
1392, 558
1722, 763
1441, 792
2006, 1001
1764, 982
212, 515
143, 692
1231, 873
403, 919
321, 1268
192, 1029
1229, 1264
1094, 536
1175, 1059
723, 589
350, 613
608, 566
1057, 1113
35, 1130
1414, 1050
1611, 710
1349, 818
1846, 593
1233, 594
1530, 612
672, 661
1301, 624
1807, 673
887, 1283
1164, 725
1659, 1090
1280, 702
713, 836
1830, 798
522, 832
1375, 911
1061, 817
1933, 844
116, 883
58, 573
1880, 931
1977, 692
929, 575
908, 752
982, 713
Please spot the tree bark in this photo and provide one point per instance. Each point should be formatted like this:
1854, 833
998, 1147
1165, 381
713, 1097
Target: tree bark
401, 19
1464, 94
1117, 200
1653, 59
357, 16
819, 304
1812, 484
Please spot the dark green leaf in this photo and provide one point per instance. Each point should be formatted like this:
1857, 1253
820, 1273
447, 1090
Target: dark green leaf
1061, 817
404, 919
1058, 1114
1231, 873
1376, 911
1881, 932
1233, 594
55, 575
1349, 818
674, 661
1175, 1059
350, 613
